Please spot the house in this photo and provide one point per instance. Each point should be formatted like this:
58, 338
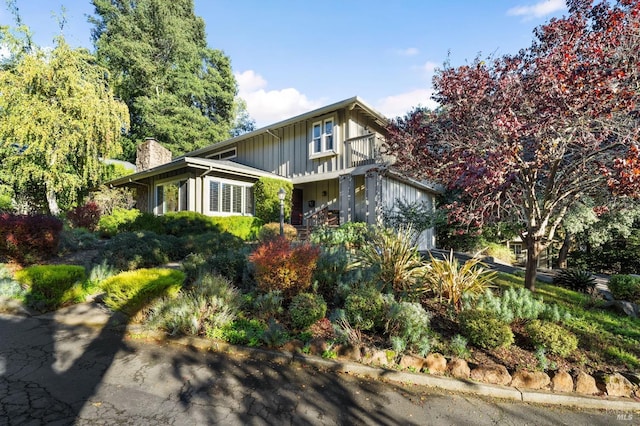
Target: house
330, 155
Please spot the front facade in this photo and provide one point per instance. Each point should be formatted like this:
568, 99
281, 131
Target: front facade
331, 156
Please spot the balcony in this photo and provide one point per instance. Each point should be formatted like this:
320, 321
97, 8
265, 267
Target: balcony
362, 150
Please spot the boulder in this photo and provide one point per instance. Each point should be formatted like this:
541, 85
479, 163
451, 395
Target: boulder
530, 380
586, 384
495, 374
293, 346
317, 346
562, 382
377, 358
436, 363
627, 308
459, 368
351, 352
412, 362
618, 385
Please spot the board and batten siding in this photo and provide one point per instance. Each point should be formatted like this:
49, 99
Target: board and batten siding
394, 190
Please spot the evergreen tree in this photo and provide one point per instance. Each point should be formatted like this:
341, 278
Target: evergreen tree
177, 89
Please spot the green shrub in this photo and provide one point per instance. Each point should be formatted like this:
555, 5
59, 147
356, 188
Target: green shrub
9, 287
449, 280
552, 337
364, 308
484, 329
625, 287
500, 252
408, 322
514, 304
134, 291
212, 302
331, 272
52, 286
268, 305
350, 235
243, 227
270, 231
458, 346
285, 267
394, 259
242, 331
188, 223
267, 203
306, 308
575, 279
133, 250
275, 334
76, 239
120, 220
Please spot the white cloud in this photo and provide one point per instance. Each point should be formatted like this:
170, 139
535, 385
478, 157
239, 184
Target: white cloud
4, 52
399, 105
538, 10
270, 106
410, 51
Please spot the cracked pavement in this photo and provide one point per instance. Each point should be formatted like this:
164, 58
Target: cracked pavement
55, 374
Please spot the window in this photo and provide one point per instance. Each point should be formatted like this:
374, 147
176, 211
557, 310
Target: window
322, 136
231, 198
171, 197
224, 155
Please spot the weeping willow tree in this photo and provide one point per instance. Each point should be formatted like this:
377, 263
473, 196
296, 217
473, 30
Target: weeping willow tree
58, 117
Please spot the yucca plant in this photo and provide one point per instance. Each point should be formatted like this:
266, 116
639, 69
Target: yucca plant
450, 280
575, 279
394, 259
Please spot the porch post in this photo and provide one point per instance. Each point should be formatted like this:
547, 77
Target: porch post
346, 190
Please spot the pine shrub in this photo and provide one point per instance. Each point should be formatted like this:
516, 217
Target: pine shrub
269, 305
552, 337
132, 250
364, 308
484, 329
305, 309
408, 322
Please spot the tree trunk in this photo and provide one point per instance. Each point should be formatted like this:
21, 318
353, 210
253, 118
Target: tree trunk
534, 248
564, 251
52, 201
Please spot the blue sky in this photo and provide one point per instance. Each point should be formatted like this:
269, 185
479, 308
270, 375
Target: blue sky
290, 56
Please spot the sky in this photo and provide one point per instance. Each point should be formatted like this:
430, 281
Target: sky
292, 56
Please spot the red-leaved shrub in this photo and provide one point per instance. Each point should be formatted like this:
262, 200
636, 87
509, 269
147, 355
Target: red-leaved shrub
282, 266
27, 239
85, 216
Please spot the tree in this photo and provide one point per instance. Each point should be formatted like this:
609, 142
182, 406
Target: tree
177, 89
524, 137
58, 117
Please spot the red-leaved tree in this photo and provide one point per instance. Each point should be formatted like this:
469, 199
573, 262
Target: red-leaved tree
523, 137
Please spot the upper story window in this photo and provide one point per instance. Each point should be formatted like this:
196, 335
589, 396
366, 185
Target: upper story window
323, 136
224, 155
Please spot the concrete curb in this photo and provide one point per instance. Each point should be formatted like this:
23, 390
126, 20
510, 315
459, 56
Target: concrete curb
404, 377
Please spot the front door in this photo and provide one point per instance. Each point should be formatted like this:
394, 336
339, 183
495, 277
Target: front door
296, 207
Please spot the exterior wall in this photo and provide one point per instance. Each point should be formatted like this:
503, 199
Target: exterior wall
150, 154
394, 190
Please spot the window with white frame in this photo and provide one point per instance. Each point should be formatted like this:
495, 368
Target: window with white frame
230, 197
322, 136
224, 155
171, 197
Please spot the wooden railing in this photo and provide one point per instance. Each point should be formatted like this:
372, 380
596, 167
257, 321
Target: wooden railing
321, 217
362, 150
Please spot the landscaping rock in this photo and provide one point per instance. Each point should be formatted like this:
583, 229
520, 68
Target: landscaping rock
586, 384
459, 368
617, 385
495, 374
630, 309
530, 380
317, 346
293, 346
562, 382
436, 363
377, 358
351, 352
412, 362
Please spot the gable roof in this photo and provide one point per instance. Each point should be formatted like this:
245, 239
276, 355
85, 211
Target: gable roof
347, 103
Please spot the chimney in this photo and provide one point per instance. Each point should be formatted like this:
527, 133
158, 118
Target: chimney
150, 154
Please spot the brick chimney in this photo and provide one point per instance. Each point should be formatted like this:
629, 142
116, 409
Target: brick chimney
150, 154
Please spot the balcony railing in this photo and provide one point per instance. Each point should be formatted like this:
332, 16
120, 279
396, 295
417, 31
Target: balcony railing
362, 150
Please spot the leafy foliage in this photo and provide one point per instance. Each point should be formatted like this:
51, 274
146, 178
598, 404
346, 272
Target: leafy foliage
394, 260
243, 331
53, 152
268, 304
350, 235
417, 216
305, 309
281, 266
133, 250
449, 280
267, 203
625, 287
484, 329
177, 89
85, 216
270, 231
575, 279
365, 308
554, 338
134, 291
52, 286
515, 135
211, 302
27, 239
